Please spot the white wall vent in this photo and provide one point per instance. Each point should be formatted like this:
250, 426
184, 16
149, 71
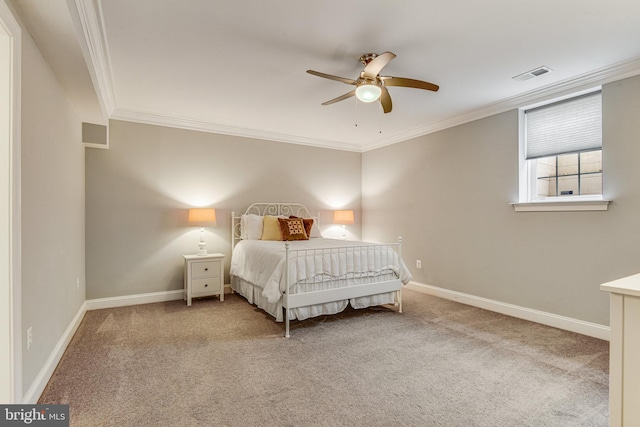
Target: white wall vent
533, 73
95, 136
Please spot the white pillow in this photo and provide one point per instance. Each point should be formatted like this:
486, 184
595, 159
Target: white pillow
251, 227
315, 230
243, 227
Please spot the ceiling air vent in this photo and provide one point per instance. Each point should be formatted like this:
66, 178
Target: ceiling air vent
533, 73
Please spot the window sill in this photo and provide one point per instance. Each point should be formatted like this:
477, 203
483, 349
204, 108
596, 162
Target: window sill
562, 206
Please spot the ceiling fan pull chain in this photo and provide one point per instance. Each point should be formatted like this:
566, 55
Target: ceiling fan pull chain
380, 121
356, 111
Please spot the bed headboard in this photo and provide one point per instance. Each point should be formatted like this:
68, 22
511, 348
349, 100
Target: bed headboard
262, 209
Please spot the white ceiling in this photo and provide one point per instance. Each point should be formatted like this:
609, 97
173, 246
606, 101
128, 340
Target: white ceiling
238, 67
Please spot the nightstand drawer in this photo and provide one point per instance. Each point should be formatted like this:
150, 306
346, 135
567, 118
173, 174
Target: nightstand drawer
205, 269
203, 276
207, 285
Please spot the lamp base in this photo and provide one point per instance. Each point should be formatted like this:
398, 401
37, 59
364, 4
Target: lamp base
202, 245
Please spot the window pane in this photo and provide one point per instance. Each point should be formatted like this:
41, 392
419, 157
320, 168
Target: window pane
546, 166
568, 165
591, 161
591, 183
546, 176
547, 187
568, 185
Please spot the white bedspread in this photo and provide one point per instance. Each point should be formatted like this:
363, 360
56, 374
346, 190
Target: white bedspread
262, 263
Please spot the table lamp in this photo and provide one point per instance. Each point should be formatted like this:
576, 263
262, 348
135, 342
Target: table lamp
344, 218
202, 217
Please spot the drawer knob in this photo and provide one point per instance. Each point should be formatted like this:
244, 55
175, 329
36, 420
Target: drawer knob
206, 284
206, 269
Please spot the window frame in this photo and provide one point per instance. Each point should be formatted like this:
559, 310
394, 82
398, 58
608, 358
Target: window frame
527, 187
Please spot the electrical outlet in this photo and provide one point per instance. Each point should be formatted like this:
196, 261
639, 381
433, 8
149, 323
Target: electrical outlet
418, 264
77, 284
29, 337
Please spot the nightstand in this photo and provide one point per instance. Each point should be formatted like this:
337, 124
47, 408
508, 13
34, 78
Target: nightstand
203, 276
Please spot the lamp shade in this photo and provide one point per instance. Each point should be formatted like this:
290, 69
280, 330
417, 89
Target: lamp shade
368, 92
202, 217
343, 217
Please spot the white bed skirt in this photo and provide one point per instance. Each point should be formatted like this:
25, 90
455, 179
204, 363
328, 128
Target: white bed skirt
253, 294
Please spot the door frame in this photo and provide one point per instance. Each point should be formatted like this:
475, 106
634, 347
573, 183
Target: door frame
10, 212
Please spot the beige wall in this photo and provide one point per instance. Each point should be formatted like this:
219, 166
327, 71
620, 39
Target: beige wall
139, 191
52, 210
448, 194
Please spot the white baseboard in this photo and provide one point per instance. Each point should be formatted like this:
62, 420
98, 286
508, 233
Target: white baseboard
40, 382
561, 322
122, 301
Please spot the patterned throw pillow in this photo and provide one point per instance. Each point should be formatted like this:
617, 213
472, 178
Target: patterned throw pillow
292, 229
308, 223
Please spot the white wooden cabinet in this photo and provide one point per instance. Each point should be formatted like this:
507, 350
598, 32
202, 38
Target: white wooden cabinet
203, 276
624, 353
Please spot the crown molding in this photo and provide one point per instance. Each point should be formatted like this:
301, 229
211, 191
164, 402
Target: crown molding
585, 81
89, 20
203, 126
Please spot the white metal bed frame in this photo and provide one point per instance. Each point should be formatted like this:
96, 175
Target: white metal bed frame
340, 289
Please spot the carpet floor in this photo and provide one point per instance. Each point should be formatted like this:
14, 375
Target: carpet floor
440, 363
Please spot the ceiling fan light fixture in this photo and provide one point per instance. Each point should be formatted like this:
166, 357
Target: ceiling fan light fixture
369, 86
368, 92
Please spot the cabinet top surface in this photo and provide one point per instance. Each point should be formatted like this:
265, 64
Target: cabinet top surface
627, 285
203, 257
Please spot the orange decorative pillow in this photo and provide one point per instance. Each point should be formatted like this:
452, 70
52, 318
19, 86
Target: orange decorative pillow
292, 229
308, 223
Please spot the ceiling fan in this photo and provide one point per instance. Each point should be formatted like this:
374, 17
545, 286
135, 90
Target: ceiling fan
371, 86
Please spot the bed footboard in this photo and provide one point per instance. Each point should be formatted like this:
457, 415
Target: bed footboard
340, 274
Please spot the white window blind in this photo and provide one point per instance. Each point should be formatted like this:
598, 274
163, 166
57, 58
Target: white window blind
564, 127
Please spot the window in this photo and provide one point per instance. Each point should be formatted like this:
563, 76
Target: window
561, 150
574, 174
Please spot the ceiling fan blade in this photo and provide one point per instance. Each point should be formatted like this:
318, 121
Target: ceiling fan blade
330, 77
340, 98
385, 100
373, 68
401, 81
